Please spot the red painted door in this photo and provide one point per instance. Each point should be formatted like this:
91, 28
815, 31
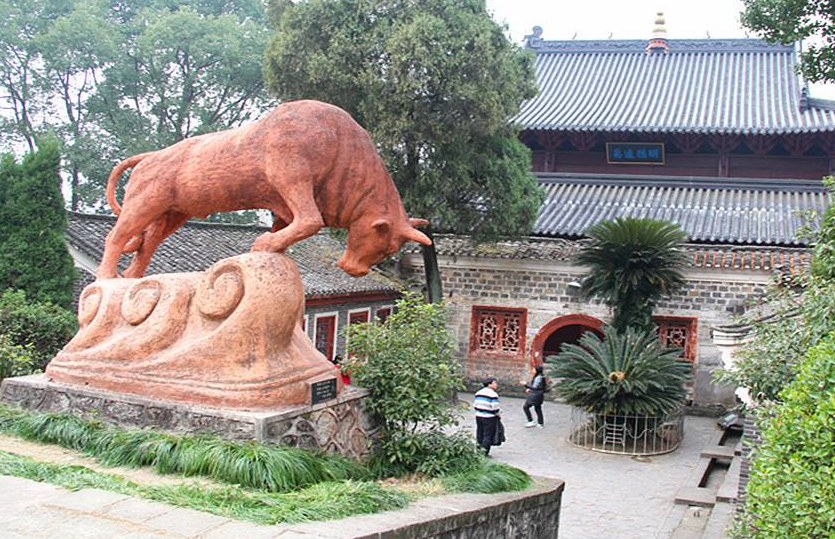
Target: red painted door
326, 335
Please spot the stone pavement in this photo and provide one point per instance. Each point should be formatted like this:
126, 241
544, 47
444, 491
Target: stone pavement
606, 496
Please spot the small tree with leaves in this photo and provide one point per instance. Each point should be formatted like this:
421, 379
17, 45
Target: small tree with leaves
407, 365
632, 264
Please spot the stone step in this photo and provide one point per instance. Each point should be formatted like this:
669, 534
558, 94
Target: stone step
718, 452
729, 489
700, 472
719, 521
695, 496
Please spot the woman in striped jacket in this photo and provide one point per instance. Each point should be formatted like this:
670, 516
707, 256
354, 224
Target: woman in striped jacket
486, 406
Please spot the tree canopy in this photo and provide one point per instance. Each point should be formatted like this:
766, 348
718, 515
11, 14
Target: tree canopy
112, 79
435, 82
789, 21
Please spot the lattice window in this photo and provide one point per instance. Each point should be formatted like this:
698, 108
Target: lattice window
678, 332
498, 331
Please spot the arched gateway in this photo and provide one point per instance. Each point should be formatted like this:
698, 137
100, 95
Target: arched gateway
561, 330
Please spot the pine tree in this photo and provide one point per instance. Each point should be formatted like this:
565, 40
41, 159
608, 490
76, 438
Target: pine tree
33, 222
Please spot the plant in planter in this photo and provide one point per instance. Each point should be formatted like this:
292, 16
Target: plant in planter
629, 373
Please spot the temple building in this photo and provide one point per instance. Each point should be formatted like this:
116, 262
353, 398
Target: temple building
719, 136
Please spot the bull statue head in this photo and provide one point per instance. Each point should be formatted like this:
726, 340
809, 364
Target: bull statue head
372, 241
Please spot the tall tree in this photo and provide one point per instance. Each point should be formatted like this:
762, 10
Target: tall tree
33, 252
632, 264
435, 82
789, 21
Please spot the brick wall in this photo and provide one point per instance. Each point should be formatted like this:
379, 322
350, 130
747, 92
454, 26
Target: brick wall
543, 289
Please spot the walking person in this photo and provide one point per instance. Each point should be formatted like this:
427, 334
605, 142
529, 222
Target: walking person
535, 389
486, 406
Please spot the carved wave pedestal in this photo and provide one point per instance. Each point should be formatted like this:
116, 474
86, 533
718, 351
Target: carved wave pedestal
230, 336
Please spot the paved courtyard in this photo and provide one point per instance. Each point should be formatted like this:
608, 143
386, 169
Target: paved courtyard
606, 496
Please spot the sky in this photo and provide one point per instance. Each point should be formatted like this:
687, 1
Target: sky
626, 19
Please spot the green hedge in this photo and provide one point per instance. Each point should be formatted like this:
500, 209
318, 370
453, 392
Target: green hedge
792, 491
45, 326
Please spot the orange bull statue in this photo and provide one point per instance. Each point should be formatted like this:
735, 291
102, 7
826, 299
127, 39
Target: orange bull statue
308, 162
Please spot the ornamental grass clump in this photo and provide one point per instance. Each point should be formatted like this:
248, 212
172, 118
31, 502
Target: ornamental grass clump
629, 373
250, 464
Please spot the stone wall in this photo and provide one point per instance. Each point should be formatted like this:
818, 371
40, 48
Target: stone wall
751, 439
543, 288
340, 425
530, 514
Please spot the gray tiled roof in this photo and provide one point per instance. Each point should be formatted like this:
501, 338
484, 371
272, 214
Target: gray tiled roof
702, 86
198, 245
710, 210
718, 257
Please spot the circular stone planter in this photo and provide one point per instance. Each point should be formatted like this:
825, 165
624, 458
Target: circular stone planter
638, 435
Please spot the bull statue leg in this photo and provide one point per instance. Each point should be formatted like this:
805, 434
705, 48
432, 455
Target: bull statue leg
306, 220
154, 235
129, 224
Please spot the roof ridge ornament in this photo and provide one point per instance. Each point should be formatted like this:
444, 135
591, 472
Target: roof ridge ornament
803, 102
534, 40
658, 42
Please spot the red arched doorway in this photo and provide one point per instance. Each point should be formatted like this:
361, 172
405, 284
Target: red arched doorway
561, 330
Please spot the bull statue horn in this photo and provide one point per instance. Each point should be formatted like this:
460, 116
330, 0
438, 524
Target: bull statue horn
414, 234
418, 222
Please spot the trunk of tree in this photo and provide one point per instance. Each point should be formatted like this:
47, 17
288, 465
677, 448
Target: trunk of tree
434, 290
74, 189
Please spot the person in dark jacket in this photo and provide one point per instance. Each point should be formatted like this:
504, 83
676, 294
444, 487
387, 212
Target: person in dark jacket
536, 395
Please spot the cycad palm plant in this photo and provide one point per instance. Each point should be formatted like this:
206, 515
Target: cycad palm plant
621, 374
632, 264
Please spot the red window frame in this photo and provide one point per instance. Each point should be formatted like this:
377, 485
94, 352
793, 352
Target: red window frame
325, 342
382, 314
360, 316
503, 317
689, 324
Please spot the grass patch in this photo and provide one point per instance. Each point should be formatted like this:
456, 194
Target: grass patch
249, 464
323, 501
489, 478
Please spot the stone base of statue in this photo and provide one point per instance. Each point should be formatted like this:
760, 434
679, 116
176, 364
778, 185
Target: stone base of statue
230, 337
341, 425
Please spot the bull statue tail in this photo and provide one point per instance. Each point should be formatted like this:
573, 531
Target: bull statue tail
114, 177
135, 242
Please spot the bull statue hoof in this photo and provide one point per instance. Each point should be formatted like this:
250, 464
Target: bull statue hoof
230, 336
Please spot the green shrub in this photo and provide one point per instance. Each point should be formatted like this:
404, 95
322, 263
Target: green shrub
622, 373
407, 366
44, 326
15, 360
791, 493
430, 453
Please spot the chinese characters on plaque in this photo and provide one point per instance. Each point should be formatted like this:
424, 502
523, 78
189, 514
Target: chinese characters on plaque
635, 153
